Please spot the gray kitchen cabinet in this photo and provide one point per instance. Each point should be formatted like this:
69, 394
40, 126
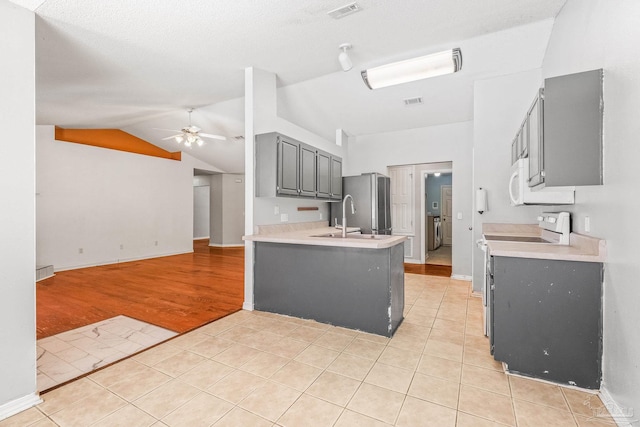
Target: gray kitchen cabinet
357, 288
336, 178
546, 318
569, 152
324, 174
307, 171
290, 168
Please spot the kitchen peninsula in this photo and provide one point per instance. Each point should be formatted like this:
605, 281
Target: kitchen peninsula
307, 270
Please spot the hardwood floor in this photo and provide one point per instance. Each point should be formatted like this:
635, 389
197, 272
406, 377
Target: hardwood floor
178, 292
428, 269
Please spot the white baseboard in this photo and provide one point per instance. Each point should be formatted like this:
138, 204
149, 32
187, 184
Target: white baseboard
201, 238
19, 405
229, 245
247, 306
117, 261
622, 417
412, 261
461, 277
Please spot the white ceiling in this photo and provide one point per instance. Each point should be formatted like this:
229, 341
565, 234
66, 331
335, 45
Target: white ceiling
137, 65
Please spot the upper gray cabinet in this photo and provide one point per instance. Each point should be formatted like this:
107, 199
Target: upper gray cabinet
336, 178
290, 168
570, 142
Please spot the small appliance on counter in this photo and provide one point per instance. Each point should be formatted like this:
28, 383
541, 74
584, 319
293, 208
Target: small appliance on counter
371, 193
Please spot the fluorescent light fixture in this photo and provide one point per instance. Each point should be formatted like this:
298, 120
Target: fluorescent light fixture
437, 64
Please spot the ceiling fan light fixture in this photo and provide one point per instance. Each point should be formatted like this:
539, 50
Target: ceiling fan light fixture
436, 64
199, 141
343, 57
179, 139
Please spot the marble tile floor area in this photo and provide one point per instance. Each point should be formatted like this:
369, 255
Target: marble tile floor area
71, 354
261, 369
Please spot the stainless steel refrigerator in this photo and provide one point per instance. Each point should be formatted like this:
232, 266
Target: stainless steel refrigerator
372, 202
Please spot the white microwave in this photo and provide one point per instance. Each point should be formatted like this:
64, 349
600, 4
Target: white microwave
521, 194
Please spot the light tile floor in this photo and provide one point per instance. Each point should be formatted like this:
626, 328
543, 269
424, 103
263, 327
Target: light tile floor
440, 256
71, 354
260, 369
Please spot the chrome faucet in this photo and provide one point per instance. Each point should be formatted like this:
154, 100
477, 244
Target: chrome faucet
344, 213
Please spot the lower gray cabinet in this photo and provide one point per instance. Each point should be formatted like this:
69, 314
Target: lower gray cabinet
547, 319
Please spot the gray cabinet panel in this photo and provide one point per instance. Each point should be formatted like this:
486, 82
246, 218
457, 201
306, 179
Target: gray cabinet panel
324, 174
351, 287
288, 166
547, 319
307, 171
336, 178
573, 112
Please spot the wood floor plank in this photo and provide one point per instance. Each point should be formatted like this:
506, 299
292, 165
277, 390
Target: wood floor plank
178, 292
428, 269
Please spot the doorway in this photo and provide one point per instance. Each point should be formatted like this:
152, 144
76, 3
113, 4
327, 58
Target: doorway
438, 196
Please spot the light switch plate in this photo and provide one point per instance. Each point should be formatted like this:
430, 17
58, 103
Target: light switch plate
459, 215
284, 217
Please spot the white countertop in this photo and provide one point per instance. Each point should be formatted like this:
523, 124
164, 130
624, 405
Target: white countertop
580, 248
309, 237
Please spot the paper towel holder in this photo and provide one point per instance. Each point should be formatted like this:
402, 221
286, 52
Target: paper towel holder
481, 200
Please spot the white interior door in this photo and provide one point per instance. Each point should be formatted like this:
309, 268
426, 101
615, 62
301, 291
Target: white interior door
402, 211
446, 216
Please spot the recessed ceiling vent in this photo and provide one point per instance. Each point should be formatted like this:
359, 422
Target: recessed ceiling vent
239, 138
343, 11
410, 102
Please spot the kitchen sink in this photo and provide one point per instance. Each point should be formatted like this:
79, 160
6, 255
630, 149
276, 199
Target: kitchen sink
355, 236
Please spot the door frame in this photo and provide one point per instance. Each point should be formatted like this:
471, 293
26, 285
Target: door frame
423, 201
441, 208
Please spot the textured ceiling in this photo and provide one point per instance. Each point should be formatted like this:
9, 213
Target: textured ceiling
138, 64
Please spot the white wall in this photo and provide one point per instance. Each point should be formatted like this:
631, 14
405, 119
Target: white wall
98, 199
500, 105
201, 206
590, 34
227, 210
452, 142
17, 215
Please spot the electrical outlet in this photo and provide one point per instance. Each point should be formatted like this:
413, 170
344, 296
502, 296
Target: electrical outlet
156, 243
587, 224
459, 215
80, 250
276, 210
284, 217
121, 246
320, 215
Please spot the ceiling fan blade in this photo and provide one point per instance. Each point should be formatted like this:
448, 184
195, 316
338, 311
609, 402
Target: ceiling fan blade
208, 135
171, 137
168, 130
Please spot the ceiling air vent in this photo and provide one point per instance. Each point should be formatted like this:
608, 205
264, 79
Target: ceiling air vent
239, 138
410, 102
343, 11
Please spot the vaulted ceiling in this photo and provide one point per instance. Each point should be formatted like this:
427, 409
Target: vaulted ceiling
137, 65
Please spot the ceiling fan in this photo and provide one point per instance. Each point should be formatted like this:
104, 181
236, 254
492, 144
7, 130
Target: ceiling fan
191, 134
